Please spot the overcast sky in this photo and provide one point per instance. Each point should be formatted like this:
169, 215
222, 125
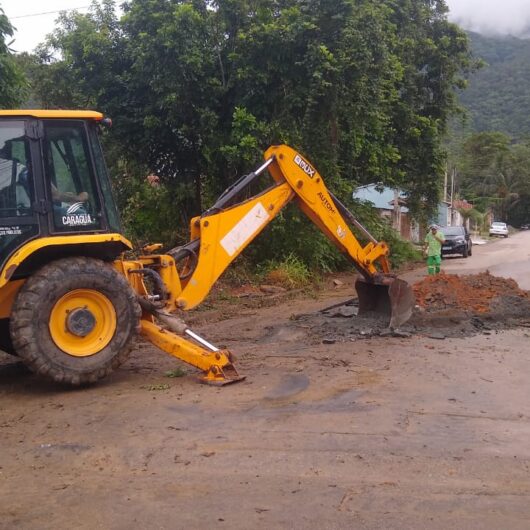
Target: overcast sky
492, 16
486, 16
31, 30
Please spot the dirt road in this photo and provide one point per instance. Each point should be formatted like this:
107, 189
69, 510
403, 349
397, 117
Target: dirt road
373, 433
508, 258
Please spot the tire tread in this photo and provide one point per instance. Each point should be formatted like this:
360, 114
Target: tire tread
41, 288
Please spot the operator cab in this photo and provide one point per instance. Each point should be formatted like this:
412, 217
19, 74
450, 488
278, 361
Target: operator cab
53, 178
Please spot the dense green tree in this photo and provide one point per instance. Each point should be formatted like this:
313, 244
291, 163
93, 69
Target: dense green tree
435, 57
495, 173
12, 80
482, 155
197, 89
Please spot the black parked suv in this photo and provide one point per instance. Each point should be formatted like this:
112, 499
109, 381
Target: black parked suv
457, 241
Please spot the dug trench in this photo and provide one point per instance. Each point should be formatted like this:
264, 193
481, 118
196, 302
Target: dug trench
447, 306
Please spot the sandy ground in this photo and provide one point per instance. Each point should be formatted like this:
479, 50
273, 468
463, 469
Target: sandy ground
371, 433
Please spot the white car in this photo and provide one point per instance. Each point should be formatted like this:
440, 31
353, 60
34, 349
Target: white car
499, 229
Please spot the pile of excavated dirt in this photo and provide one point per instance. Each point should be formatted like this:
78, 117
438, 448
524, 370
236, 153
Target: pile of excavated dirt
473, 293
447, 306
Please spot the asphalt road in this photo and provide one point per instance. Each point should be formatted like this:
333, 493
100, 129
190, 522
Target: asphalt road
380, 433
509, 258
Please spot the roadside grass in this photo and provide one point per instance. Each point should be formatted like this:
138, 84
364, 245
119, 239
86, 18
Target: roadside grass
290, 273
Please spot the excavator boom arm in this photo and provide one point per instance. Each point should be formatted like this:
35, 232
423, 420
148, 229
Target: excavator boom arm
326, 212
222, 233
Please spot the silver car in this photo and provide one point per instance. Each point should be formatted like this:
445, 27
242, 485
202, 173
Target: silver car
499, 229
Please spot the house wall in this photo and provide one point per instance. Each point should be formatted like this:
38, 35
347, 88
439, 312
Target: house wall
406, 226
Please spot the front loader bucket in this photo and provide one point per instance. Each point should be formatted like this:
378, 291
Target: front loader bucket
389, 296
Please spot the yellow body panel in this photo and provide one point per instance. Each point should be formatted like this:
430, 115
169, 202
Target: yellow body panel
32, 246
56, 114
7, 297
165, 267
136, 281
316, 202
225, 235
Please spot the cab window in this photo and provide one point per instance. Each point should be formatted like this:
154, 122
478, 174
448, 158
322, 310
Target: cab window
109, 203
16, 182
70, 178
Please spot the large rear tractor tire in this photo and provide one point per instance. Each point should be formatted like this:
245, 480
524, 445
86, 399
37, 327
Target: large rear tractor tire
74, 320
5, 339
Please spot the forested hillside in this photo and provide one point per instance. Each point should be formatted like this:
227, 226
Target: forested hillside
491, 150
498, 96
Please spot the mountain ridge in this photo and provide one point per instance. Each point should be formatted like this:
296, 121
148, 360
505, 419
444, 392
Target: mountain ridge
498, 95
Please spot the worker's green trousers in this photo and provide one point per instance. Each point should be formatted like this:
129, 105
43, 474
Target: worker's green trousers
433, 264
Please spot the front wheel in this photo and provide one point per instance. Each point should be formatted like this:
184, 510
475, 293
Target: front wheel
73, 321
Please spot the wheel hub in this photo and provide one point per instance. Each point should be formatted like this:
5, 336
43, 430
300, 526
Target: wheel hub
80, 322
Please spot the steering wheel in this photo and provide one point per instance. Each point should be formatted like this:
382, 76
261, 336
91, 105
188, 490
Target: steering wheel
23, 209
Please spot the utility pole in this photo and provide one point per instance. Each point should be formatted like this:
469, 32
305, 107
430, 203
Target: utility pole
453, 175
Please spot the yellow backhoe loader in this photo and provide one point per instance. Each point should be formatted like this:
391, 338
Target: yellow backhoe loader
70, 303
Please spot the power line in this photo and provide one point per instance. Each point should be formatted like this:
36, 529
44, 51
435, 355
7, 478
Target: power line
49, 12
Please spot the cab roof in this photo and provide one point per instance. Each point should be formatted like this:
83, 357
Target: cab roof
57, 114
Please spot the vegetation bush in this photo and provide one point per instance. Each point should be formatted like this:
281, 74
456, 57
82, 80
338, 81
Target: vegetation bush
13, 83
401, 250
493, 173
291, 272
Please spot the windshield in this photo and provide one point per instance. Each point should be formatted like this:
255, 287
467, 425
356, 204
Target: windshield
70, 177
499, 225
453, 230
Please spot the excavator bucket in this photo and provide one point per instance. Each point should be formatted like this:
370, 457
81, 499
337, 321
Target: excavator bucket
388, 296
